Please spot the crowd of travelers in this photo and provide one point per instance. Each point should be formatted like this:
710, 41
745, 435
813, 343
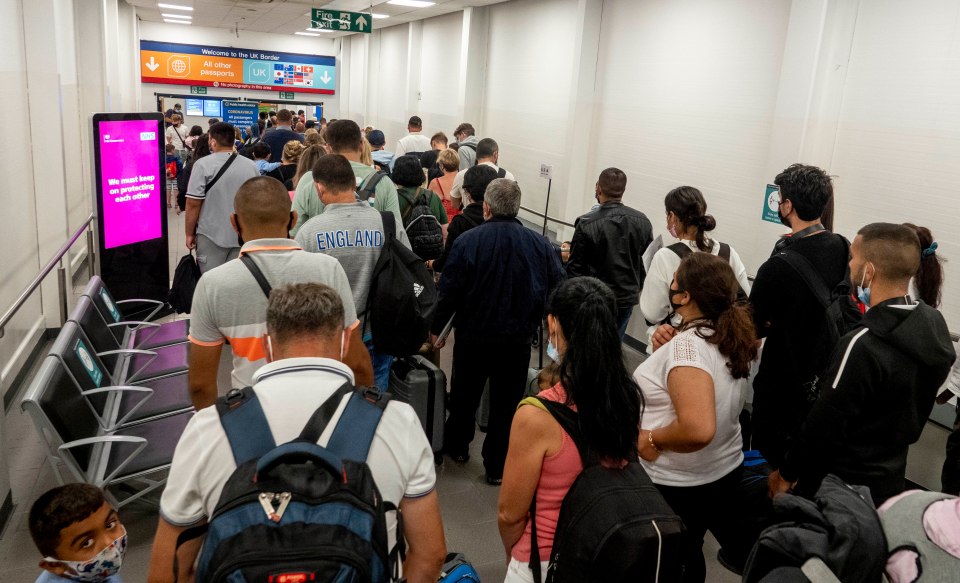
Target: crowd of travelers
822, 369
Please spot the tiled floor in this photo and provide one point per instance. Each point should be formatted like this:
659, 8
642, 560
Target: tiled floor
469, 505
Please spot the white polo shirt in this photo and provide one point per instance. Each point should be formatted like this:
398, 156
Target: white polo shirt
289, 391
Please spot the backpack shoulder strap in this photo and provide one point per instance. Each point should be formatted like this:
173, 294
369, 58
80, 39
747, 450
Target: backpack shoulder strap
354, 432
570, 422
724, 252
389, 226
245, 424
808, 274
411, 201
369, 186
257, 274
681, 249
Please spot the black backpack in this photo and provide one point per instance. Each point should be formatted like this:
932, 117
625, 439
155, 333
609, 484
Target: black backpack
614, 525
682, 250
299, 511
367, 190
423, 229
840, 314
403, 297
185, 280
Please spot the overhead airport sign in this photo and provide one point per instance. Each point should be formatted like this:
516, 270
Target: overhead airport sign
234, 68
339, 20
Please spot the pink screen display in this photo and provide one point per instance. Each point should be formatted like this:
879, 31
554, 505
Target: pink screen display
132, 188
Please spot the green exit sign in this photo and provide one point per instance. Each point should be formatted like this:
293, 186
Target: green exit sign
339, 20
198, 90
286, 95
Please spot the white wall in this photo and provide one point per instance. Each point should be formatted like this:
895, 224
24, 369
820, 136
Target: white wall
198, 35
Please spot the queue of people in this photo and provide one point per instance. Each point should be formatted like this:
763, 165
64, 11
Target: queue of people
854, 352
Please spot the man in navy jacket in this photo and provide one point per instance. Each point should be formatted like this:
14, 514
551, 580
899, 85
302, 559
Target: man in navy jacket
878, 391
495, 285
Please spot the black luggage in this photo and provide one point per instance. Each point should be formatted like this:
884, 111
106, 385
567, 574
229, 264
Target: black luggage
419, 382
185, 280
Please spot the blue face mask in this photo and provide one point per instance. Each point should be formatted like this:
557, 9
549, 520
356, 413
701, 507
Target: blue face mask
864, 292
552, 351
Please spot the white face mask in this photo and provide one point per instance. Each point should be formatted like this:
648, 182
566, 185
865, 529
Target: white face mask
105, 564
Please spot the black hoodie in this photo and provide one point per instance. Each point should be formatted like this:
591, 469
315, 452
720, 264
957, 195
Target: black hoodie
874, 400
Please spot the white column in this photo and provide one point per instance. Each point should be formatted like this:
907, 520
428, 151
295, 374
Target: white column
473, 66
579, 130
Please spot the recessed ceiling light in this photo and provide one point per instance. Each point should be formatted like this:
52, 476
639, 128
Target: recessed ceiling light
174, 7
318, 30
379, 16
168, 21
411, 3
307, 33
182, 16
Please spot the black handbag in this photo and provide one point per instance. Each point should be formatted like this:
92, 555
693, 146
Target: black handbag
185, 280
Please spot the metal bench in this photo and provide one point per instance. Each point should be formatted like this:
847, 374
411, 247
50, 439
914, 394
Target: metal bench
134, 333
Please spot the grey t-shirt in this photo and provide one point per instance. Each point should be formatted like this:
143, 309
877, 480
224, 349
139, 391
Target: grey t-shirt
353, 234
218, 204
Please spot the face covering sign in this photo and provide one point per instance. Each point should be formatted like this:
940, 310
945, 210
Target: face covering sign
132, 189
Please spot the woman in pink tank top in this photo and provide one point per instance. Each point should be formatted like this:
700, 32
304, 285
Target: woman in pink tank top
542, 460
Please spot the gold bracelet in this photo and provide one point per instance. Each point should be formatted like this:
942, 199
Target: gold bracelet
652, 444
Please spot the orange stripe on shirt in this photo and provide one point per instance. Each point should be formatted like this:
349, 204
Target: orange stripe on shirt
249, 348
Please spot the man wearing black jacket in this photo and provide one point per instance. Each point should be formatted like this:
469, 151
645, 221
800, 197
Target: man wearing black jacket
475, 182
609, 243
878, 391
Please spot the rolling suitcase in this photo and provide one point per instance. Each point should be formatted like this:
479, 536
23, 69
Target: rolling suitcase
419, 382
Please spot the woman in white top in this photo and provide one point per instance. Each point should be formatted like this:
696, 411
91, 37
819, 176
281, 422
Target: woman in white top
688, 221
693, 387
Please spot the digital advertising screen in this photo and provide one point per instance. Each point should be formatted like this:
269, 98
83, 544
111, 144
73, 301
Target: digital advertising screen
195, 107
211, 108
131, 186
133, 253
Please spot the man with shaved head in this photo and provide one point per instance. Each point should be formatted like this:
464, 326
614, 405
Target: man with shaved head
230, 303
880, 385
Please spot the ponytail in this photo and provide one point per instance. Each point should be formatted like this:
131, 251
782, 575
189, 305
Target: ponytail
592, 371
713, 286
705, 223
929, 276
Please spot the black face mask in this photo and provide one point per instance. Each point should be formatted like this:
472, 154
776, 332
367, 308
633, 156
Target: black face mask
674, 306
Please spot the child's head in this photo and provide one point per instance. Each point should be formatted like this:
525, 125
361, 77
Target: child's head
260, 151
170, 149
78, 533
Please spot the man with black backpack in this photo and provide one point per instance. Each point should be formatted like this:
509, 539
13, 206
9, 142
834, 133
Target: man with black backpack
802, 306
241, 469
474, 185
354, 233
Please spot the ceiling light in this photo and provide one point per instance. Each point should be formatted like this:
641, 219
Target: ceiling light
168, 21
174, 7
411, 3
379, 16
318, 30
306, 33
183, 16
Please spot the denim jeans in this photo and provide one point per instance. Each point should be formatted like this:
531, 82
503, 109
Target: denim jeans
381, 366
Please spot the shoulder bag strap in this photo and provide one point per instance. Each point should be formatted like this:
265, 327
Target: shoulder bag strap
245, 424
321, 417
257, 274
181, 139
223, 169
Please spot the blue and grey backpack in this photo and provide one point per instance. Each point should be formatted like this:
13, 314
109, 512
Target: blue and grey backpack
299, 512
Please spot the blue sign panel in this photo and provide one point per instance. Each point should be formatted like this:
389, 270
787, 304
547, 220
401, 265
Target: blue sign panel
240, 114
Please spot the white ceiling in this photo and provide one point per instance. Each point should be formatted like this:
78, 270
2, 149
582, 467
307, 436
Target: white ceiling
289, 16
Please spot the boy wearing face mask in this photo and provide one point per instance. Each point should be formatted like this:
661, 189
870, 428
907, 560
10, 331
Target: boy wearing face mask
880, 386
79, 535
